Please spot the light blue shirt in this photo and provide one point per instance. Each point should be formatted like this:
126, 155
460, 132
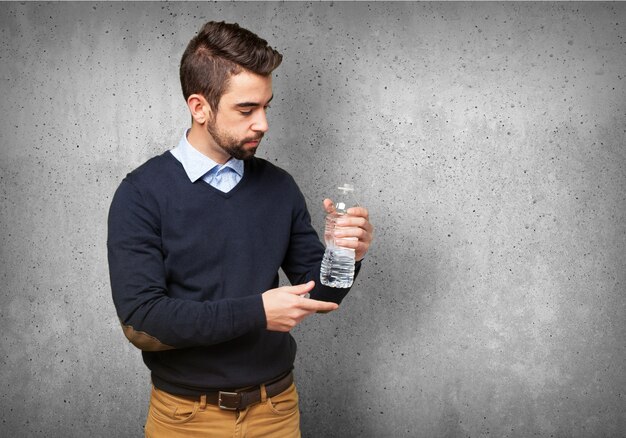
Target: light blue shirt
223, 177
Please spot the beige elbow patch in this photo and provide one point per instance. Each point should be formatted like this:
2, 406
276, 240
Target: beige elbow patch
143, 340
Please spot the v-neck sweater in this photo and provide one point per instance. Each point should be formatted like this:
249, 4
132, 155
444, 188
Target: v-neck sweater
188, 264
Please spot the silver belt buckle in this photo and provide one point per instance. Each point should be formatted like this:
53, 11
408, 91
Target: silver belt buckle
225, 397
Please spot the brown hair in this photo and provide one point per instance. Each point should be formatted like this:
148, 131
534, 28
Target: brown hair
217, 52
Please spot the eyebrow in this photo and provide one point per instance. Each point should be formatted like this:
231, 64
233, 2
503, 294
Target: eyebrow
251, 104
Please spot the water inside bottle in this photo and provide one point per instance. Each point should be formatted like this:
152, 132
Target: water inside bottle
338, 264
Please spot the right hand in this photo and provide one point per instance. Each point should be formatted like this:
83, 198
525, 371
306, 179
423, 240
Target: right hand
285, 307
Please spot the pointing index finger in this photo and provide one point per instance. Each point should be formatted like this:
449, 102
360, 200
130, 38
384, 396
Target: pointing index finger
315, 305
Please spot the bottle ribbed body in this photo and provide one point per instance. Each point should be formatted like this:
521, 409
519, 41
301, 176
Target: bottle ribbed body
338, 263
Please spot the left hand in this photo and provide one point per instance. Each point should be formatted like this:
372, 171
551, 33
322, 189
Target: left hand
354, 224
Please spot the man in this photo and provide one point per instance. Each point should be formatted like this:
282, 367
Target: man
196, 238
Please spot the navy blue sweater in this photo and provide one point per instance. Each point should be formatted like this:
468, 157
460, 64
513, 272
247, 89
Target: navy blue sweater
188, 264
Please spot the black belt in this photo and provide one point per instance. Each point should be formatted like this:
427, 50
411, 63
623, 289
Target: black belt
242, 398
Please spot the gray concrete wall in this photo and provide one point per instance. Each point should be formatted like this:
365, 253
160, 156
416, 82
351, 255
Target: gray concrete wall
488, 141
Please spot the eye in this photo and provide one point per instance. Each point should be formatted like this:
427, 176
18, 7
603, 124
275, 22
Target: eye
246, 113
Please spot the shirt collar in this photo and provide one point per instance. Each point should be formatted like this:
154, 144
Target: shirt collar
196, 164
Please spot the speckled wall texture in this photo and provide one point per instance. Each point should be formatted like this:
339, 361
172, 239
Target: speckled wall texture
487, 139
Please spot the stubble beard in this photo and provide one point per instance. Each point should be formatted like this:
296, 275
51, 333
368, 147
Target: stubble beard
232, 146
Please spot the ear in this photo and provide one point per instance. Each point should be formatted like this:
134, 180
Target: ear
199, 108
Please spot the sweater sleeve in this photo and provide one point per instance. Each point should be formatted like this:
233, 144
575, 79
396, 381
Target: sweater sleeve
304, 257
151, 319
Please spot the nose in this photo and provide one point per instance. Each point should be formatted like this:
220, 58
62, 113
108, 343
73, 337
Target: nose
260, 122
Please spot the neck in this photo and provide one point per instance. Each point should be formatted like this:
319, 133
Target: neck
200, 139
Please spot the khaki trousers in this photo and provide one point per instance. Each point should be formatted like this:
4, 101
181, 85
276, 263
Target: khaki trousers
170, 416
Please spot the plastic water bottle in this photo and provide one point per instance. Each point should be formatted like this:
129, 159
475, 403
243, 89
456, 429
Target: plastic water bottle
338, 263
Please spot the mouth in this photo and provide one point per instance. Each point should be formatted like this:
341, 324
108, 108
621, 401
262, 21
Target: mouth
253, 141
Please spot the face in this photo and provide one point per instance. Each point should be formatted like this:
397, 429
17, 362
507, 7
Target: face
241, 120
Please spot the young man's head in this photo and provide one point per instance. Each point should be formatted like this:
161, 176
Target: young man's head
219, 51
225, 74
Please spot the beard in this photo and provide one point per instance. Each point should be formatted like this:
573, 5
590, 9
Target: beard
233, 146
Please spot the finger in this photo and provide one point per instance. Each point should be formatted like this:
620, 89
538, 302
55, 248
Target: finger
358, 211
343, 232
317, 306
329, 206
347, 243
354, 221
360, 245
301, 289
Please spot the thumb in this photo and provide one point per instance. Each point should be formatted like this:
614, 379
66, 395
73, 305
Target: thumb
329, 206
301, 289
